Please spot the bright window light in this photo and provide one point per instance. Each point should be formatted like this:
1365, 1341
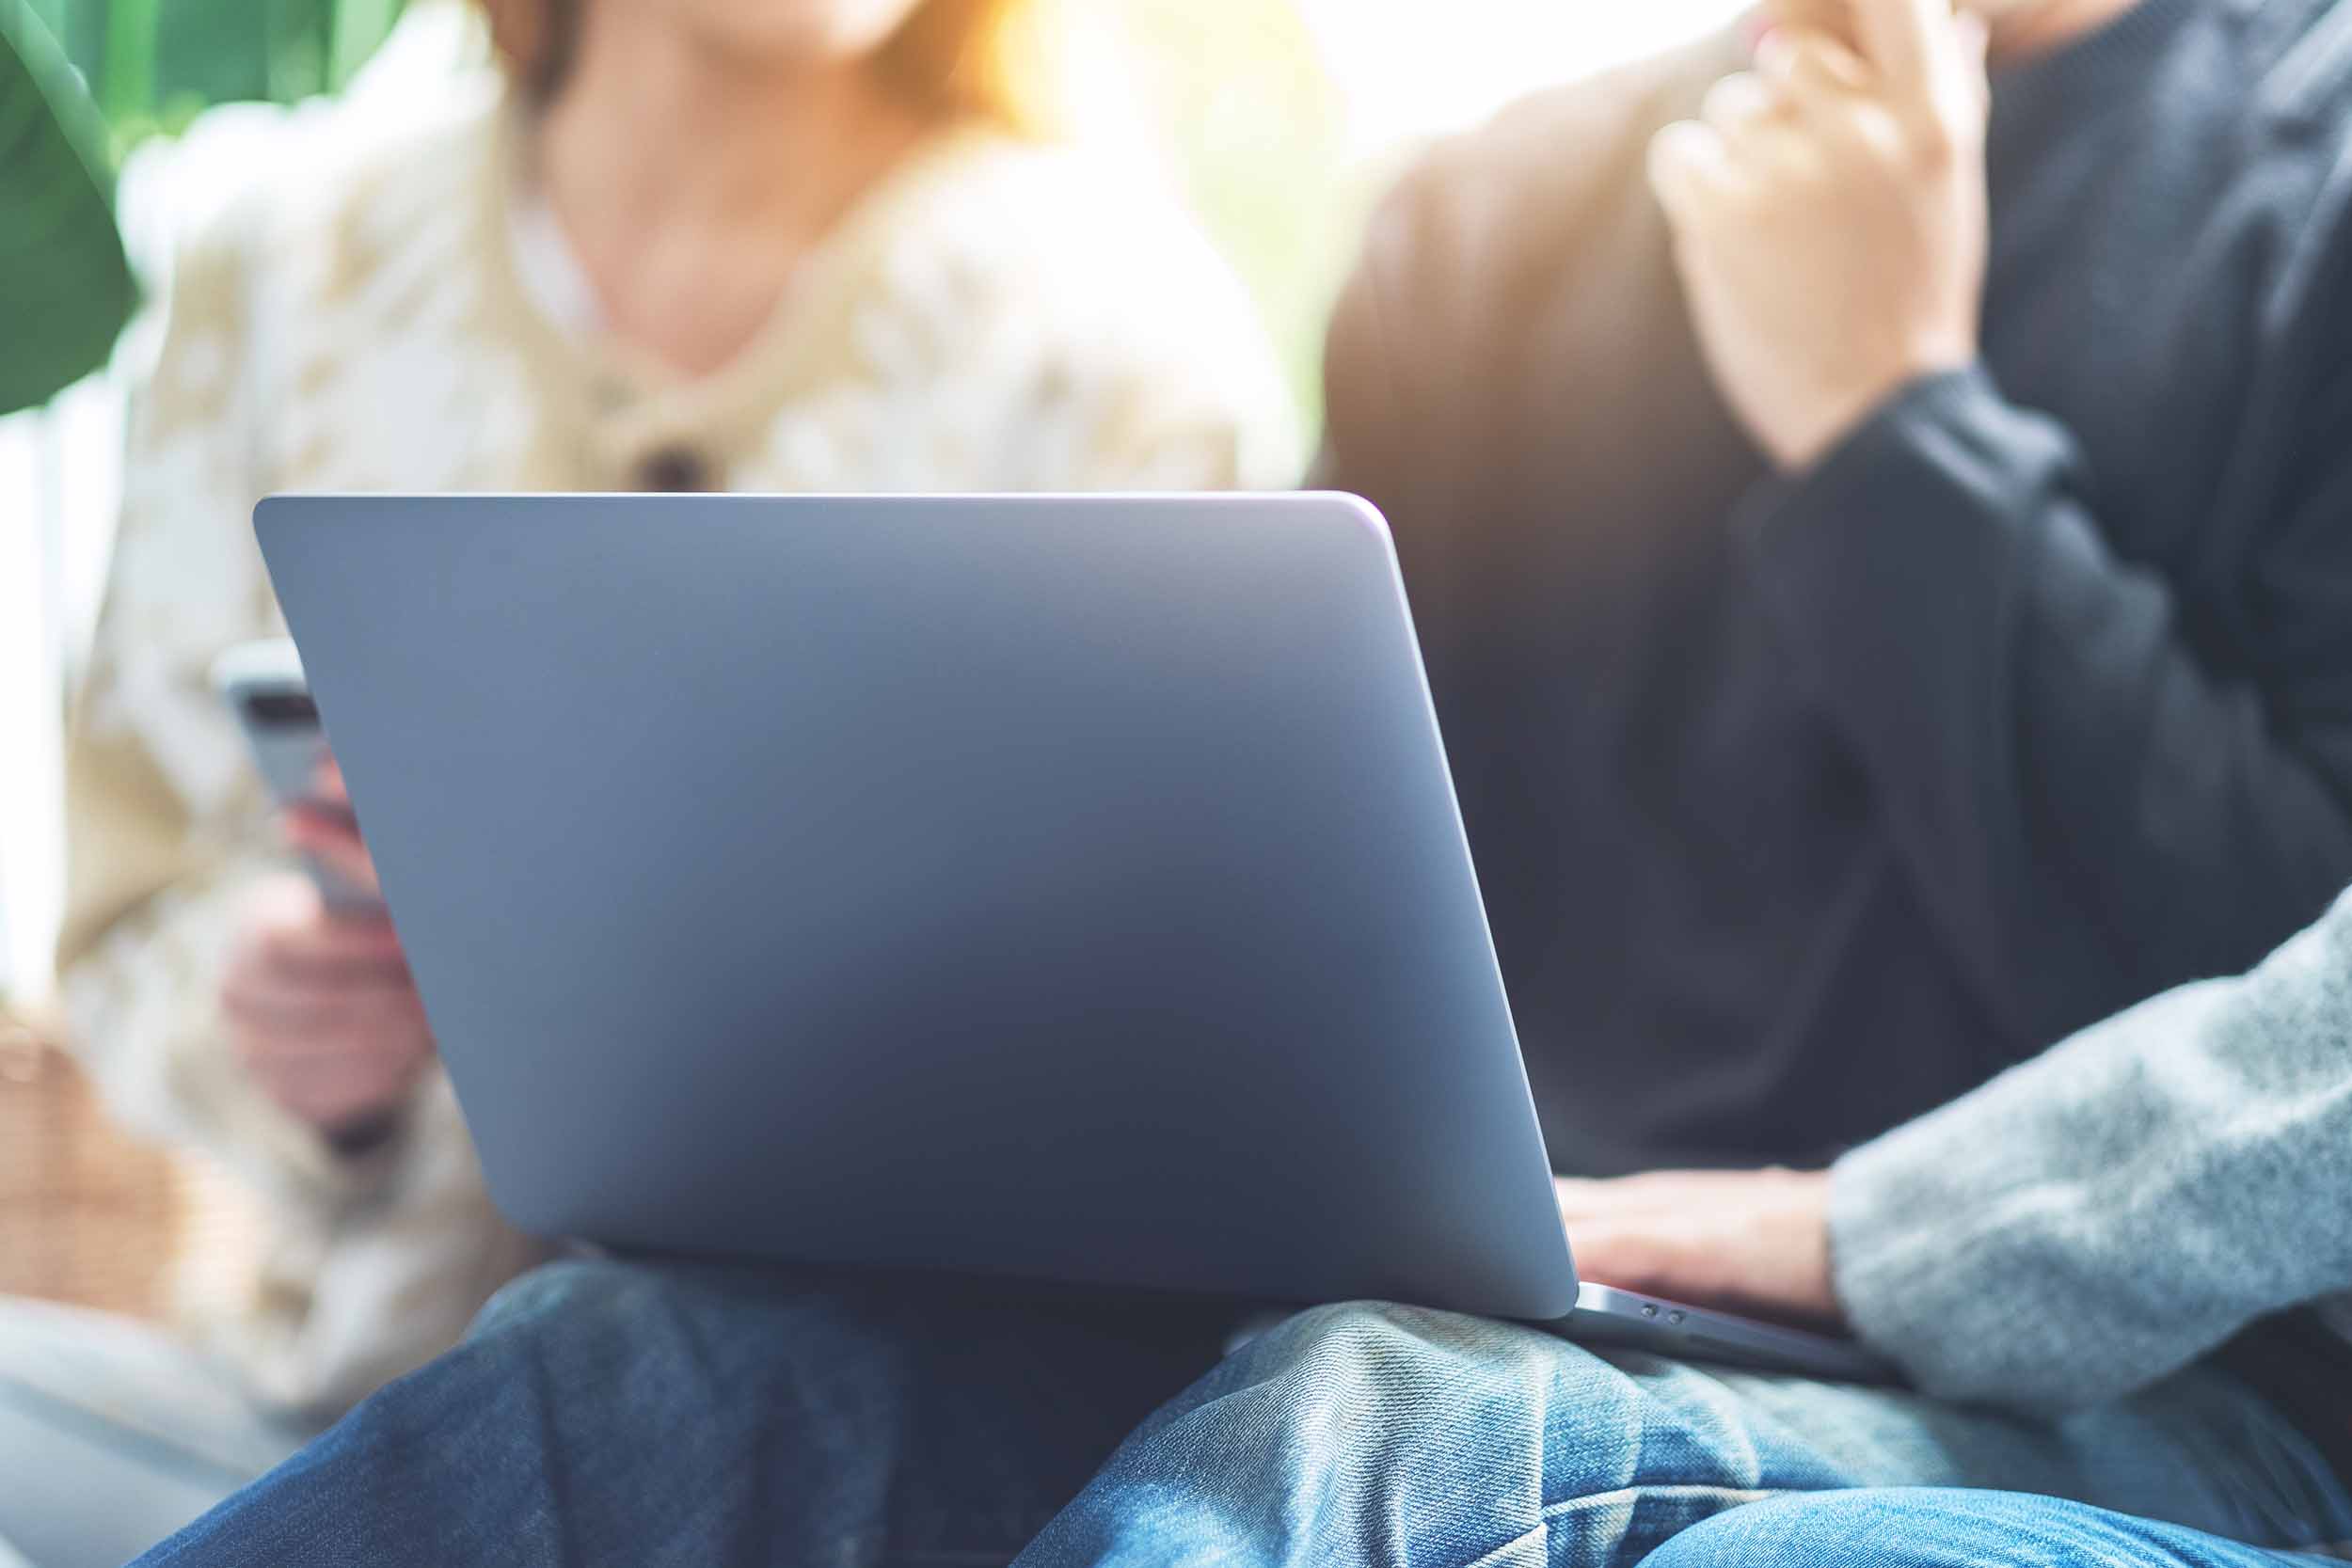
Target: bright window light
1411, 67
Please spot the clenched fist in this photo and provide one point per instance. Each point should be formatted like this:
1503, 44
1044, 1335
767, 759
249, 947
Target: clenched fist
1829, 218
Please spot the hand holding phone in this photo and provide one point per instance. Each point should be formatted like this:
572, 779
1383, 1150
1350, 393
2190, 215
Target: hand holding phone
317, 1000
325, 830
321, 1013
263, 686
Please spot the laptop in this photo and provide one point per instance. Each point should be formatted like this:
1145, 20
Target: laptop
1068, 888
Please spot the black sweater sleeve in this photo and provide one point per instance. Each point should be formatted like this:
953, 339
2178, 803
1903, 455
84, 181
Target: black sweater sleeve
2089, 808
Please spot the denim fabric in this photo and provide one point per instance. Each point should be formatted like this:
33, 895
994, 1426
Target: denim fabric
1949, 1529
638, 1416
1389, 1435
604, 1413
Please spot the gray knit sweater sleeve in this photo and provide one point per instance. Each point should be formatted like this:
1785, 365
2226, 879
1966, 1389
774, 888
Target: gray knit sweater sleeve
2103, 1215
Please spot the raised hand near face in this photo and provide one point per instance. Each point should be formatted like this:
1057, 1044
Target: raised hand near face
1829, 218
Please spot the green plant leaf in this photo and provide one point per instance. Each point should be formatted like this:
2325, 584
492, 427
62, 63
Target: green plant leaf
360, 27
65, 285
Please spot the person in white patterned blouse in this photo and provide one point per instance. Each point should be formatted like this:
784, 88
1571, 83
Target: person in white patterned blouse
782, 245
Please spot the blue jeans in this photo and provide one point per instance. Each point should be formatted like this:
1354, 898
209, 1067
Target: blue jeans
1947, 1529
608, 1413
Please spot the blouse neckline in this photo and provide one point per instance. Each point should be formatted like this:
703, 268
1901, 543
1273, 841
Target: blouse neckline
640, 400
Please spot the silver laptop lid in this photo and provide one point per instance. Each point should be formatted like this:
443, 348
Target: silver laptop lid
1059, 886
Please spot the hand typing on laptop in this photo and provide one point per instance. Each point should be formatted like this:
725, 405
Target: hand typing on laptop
1755, 1242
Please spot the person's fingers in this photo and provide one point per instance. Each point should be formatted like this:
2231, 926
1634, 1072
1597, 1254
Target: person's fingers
307, 1016
1821, 16
1651, 1181
1757, 129
1650, 1192
1737, 101
1691, 170
387, 1060
1581, 1200
1701, 1258
334, 842
268, 1032
1759, 151
1581, 1197
327, 780
1578, 1193
1805, 67
1912, 43
300, 967
312, 972
1974, 61
336, 1095
329, 1073
1833, 17
317, 944
1634, 1255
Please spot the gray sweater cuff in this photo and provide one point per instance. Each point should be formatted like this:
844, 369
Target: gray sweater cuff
1900, 1228
2097, 1219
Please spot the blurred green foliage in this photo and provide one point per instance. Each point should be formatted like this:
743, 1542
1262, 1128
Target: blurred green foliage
80, 80
65, 287
154, 64
1260, 132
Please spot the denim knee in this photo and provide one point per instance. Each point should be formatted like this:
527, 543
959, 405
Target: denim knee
1942, 1529
1379, 1352
1366, 1383
552, 1291
1363, 1433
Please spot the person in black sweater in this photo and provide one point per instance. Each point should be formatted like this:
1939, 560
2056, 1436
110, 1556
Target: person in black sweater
1872, 675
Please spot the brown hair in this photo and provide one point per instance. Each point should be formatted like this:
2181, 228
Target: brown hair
997, 60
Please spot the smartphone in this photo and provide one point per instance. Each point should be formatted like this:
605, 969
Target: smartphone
262, 682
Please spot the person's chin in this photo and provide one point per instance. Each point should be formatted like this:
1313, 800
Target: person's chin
797, 35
